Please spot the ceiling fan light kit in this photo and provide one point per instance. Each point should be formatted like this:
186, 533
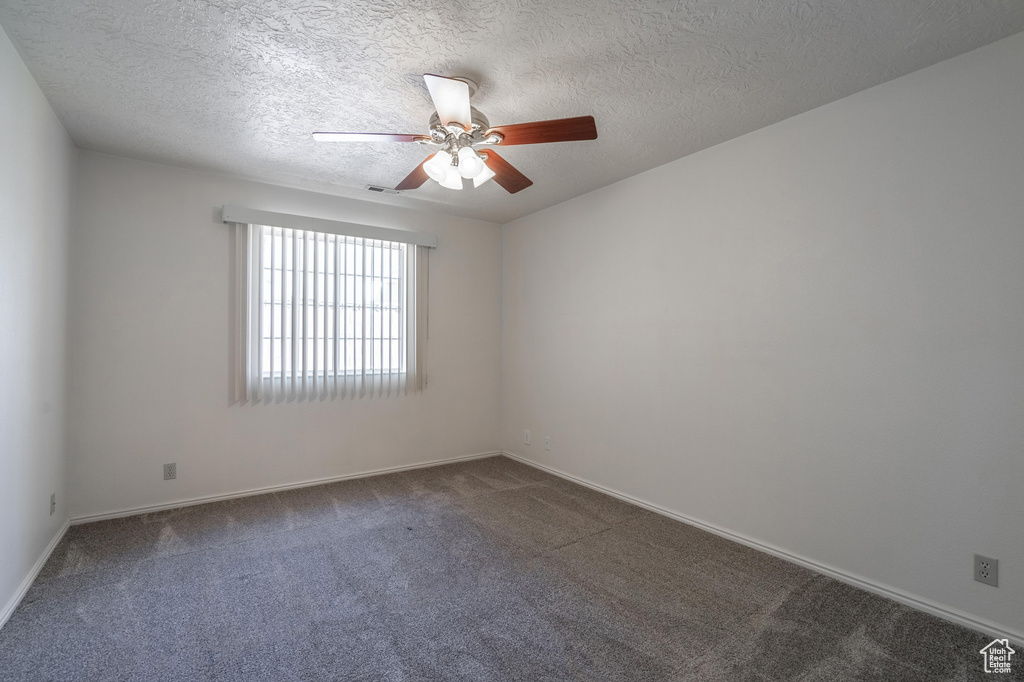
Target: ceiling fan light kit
485, 175
458, 131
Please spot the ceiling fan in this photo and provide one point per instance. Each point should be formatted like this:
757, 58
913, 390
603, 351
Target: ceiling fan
458, 132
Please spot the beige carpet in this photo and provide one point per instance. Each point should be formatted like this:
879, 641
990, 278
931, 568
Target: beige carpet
485, 570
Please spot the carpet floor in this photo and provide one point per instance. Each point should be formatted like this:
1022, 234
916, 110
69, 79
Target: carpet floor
482, 570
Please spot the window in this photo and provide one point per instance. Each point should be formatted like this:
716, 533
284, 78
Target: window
330, 315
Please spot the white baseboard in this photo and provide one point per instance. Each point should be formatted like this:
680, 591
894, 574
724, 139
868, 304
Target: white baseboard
191, 501
967, 620
16, 598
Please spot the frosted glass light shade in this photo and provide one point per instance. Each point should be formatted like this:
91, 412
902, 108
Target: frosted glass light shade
452, 179
437, 167
469, 163
483, 176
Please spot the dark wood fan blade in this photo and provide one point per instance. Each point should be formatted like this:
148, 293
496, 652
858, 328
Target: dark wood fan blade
416, 178
505, 174
367, 137
557, 130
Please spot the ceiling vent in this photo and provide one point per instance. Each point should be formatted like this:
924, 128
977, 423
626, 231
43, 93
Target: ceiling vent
382, 190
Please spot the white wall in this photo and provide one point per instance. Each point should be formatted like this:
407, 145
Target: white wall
812, 335
36, 165
150, 363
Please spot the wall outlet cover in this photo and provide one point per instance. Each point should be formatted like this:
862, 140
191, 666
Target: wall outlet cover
526, 437
986, 570
170, 471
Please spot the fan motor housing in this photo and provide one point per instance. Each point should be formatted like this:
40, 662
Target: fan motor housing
479, 120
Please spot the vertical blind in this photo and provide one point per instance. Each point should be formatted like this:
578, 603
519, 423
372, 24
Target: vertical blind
329, 316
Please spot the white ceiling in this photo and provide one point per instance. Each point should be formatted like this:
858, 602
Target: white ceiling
238, 86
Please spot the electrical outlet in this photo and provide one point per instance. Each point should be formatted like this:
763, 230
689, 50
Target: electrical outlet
53, 503
986, 570
170, 471
526, 437
547, 442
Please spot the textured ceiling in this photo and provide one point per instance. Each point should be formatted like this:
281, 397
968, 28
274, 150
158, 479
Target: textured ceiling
237, 86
